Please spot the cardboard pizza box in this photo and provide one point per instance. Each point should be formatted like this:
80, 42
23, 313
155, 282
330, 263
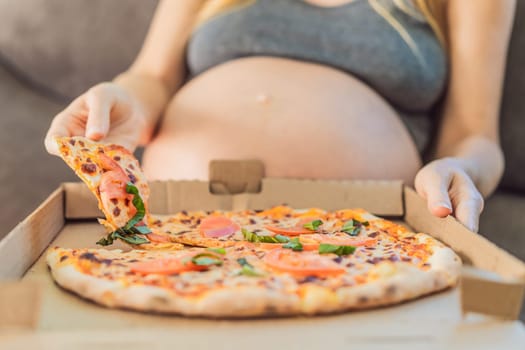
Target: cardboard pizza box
480, 313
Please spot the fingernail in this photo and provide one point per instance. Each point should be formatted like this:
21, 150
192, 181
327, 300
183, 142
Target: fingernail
473, 225
94, 134
444, 205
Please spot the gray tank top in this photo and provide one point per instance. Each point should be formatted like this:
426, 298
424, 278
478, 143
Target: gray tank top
396, 54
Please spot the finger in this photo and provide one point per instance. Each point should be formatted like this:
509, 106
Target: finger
59, 125
434, 186
99, 104
468, 208
55, 131
125, 141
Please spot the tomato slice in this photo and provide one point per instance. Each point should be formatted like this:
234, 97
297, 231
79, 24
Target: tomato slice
165, 266
113, 184
107, 163
290, 231
154, 237
218, 226
302, 264
113, 181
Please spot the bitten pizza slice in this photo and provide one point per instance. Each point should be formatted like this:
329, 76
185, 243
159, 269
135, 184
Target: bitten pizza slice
114, 176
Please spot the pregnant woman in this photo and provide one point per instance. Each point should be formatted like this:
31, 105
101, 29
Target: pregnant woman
329, 89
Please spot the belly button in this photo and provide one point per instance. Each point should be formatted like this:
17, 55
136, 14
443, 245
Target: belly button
262, 98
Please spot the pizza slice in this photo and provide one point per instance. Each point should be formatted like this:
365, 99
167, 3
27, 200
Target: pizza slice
114, 176
276, 227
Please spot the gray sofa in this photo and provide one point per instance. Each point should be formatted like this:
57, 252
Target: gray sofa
52, 50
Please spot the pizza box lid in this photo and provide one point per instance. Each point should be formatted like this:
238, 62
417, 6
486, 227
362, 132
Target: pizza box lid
481, 312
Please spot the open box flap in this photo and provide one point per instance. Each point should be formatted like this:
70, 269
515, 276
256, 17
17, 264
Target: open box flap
499, 293
228, 178
380, 197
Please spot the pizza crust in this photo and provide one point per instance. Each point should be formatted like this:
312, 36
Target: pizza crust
404, 283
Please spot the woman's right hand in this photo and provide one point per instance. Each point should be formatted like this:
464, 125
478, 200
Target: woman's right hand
105, 112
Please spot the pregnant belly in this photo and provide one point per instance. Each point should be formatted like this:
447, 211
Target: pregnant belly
301, 119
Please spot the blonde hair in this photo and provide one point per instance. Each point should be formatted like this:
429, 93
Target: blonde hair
215, 7
433, 12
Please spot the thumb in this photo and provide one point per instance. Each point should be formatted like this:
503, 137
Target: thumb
99, 108
434, 187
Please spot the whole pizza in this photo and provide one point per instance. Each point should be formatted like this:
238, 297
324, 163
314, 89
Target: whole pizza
260, 262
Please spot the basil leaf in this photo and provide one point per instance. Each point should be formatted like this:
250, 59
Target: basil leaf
130, 233
105, 241
255, 238
131, 239
352, 231
137, 203
250, 271
249, 236
294, 245
206, 259
243, 262
221, 251
353, 227
269, 239
143, 230
339, 250
281, 238
247, 269
313, 225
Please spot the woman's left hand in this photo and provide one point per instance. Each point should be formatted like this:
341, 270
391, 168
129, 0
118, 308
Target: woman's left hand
448, 189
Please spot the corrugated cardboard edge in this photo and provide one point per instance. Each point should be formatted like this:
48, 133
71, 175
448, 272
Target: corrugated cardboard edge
501, 296
488, 295
171, 196
20, 300
24, 244
79, 202
329, 195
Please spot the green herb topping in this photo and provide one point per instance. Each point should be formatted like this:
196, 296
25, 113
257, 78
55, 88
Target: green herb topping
247, 269
130, 232
206, 259
294, 245
221, 251
339, 250
353, 227
255, 238
313, 225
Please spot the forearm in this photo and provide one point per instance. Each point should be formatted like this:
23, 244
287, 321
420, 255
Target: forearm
159, 69
479, 33
481, 158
